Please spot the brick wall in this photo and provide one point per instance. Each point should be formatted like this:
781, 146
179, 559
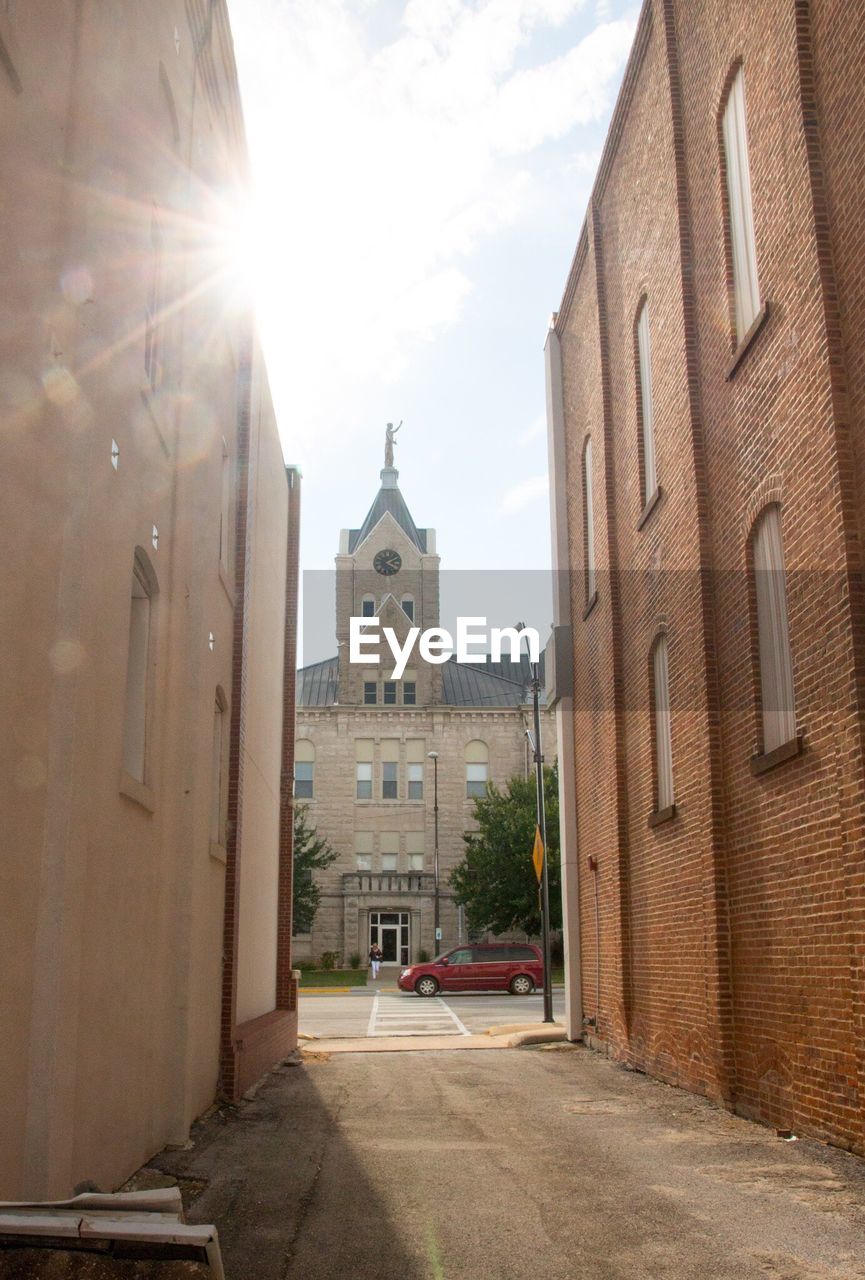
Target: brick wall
731, 934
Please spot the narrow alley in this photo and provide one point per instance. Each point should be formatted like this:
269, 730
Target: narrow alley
550, 1162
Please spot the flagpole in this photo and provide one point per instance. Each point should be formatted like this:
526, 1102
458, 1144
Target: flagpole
542, 827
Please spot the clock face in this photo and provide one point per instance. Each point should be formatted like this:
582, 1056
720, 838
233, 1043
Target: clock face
387, 562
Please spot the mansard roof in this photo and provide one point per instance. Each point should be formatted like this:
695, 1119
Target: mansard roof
488, 684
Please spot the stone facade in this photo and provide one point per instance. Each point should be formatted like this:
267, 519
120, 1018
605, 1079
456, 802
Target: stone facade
386, 846
719, 944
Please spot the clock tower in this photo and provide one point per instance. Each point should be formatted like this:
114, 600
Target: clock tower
388, 571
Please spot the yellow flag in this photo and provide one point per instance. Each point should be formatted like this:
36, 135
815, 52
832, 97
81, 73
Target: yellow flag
538, 854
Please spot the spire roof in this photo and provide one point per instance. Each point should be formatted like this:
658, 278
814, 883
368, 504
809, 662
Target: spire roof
389, 498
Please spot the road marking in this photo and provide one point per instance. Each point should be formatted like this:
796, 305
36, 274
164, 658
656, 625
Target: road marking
396, 1016
370, 1030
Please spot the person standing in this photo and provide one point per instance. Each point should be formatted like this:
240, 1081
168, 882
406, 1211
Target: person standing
375, 959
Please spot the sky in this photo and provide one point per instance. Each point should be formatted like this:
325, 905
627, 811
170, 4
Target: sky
421, 170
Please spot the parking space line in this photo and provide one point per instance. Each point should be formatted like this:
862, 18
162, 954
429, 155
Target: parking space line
370, 1030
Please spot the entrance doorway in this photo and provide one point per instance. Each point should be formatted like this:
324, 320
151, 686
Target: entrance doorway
390, 929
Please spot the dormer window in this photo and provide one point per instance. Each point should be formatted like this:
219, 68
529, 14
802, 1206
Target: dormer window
367, 607
407, 603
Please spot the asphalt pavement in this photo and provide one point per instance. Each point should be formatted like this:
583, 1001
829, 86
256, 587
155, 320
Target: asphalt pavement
386, 1010
550, 1162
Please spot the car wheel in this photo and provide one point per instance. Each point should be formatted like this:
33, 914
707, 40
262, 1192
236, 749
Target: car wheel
521, 985
426, 986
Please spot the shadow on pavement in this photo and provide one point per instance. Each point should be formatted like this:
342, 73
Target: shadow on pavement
279, 1175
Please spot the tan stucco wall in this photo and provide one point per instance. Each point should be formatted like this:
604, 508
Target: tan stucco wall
259, 866
111, 906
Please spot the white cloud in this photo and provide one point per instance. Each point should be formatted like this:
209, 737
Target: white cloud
524, 494
381, 171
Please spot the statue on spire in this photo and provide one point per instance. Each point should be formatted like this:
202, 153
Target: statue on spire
388, 443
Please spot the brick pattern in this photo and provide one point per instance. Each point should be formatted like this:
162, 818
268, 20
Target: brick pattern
731, 936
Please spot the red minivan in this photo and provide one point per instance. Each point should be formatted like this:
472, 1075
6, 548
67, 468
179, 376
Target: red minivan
517, 967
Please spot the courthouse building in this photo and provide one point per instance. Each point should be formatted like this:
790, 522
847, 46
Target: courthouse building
149, 529
706, 398
371, 752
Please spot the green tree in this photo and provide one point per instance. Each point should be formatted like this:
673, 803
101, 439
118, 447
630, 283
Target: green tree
310, 854
496, 881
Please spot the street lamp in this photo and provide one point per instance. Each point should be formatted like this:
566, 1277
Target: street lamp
535, 743
434, 756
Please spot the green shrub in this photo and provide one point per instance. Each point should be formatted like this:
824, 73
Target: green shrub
305, 966
423, 956
328, 959
354, 960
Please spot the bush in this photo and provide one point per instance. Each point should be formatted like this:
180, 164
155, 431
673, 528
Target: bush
328, 959
557, 949
423, 956
305, 966
354, 960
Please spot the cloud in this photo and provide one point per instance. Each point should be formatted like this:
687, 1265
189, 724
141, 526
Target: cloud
381, 169
524, 494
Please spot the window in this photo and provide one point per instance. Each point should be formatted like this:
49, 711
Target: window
389, 693
460, 957
153, 312
661, 721
389, 861
367, 607
138, 669
363, 850
588, 521
647, 428
409, 693
407, 603
414, 844
743, 248
389, 768
415, 782
370, 696
777, 699
218, 771
477, 769
304, 769
363, 754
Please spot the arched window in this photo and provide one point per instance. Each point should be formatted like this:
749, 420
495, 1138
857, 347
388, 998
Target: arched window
743, 246
219, 771
367, 607
588, 521
777, 699
648, 478
139, 665
304, 769
407, 603
477, 769
661, 726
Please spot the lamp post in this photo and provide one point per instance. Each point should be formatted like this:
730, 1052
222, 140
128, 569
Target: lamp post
434, 756
535, 741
